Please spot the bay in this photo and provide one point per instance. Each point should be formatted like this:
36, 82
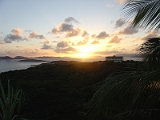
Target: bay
14, 64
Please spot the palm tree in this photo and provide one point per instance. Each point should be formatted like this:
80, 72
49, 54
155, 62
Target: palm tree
150, 51
127, 96
133, 94
146, 13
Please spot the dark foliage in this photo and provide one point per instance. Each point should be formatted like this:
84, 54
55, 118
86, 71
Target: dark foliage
59, 90
146, 13
150, 51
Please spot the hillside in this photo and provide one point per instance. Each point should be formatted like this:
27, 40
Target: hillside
59, 90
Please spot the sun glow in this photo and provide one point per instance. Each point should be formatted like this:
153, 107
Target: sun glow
85, 51
83, 55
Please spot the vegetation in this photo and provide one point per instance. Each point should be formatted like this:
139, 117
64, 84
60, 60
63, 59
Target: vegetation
128, 96
146, 13
60, 90
10, 103
150, 51
133, 94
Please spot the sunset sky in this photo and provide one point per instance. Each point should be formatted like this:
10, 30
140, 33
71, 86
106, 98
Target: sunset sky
67, 28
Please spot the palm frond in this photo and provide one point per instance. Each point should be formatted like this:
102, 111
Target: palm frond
146, 13
131, 91
150, 52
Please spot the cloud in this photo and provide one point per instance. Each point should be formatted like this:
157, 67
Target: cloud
46, 46
117, 53
69, 30
1, 42
46, 42
115, 39
109, 52
57, 37
62, 44
63, 27
121, 1
73, 32
9, 38
18, 46
76, 32
65, 50
120, 22
109, 5
70, 19
151, 34
94, 35
84, 33
95, 42
129, 30
109, 46
26, 52
55, 31
64, 47
84, 42
35, 35
17, 31
102, 35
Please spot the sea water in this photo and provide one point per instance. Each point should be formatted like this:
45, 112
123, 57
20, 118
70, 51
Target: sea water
14, 64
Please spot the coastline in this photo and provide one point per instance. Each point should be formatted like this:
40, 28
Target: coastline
24, 63
14, 64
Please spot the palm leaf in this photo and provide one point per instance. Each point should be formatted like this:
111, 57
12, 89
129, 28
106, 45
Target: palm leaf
146, 13
150, 51
129, 93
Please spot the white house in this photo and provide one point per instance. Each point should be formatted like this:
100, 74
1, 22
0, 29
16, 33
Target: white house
114, 58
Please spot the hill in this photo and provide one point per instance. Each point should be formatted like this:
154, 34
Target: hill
59, 90
20, 57
5, 57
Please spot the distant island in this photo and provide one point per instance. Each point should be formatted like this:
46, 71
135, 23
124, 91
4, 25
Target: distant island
48, 57
31, 60
8, 57
5, 57
20, 57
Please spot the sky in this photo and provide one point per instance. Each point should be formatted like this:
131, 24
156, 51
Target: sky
68, 28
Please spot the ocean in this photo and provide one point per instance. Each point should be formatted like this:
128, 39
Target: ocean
14, 64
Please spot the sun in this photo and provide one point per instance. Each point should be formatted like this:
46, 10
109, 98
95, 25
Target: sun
82, 55
84, 51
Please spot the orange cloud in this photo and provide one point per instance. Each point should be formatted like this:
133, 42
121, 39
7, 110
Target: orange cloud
17, 31
115, 39
35, 35
1, 42
121, 1
46, 42
129, 30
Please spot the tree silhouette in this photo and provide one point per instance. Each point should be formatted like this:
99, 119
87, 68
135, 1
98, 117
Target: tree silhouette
150, 51
134, 94
146, 13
